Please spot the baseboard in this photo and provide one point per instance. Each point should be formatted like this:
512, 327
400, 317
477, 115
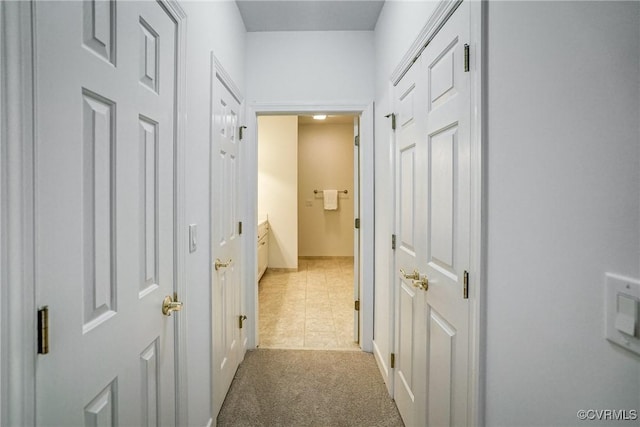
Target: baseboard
383, 367
281, 270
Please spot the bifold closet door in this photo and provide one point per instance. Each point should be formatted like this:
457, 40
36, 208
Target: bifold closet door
433, 214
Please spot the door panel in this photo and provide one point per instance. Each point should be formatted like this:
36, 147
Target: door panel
441, 348
443, 183
228, 350
150, 381
441, 76
104, 221
99, 29
97, 213
406, 344
407, 200
102, 410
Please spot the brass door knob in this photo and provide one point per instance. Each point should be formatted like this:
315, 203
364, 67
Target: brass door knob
169, 305
219, 264
422, 283
413, 276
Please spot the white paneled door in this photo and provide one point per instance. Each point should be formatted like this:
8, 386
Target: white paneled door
105, 203
433, 185
410, 158
228, 347
447, 219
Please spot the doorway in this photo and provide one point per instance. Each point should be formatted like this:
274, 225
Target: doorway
307, 244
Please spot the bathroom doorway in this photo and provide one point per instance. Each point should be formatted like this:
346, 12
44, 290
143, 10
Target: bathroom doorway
307, 237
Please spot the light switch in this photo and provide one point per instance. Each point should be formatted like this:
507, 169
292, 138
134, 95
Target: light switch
308, 203
622, 298
193, 237
627, 317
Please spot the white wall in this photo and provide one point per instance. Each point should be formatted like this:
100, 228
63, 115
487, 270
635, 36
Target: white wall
325, 160
217, 27
398, 26
302, 67
563, 158
563, 206
308, 69
278, 186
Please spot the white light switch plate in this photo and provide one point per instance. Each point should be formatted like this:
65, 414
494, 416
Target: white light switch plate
622, 298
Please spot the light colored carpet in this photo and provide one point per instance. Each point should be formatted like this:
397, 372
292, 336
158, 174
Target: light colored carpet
308, 388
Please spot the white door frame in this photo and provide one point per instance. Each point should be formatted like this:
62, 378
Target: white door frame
17, 141
250, 166
478, 89
17, 290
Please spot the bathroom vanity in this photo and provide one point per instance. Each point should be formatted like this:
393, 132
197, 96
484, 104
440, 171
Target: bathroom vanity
263, 247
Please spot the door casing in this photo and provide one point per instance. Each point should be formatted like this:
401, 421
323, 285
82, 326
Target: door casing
18, 290
250, 166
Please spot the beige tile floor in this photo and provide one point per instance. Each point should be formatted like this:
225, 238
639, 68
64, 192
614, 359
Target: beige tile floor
309, 308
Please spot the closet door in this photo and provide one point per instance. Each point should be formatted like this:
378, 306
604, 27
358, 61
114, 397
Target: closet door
410, 375
105, 203
447, 221
433, 229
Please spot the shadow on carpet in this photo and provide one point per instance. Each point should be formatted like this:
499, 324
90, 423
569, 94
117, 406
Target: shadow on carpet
308, 388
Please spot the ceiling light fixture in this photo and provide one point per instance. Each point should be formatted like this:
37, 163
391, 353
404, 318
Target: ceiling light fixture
320, 116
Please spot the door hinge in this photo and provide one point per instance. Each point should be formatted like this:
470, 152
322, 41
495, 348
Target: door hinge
241, 132
357, 223
466, 58
393, 120
393, 242
356, 305
465, 288
393, 360
240, 227
241, 320
357, 140
43, 330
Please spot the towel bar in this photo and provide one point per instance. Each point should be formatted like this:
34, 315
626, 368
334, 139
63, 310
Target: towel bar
320, 191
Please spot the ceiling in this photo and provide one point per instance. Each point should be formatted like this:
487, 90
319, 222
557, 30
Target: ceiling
310, 15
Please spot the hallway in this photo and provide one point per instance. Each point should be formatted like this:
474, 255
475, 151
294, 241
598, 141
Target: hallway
311, 308
128, 186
